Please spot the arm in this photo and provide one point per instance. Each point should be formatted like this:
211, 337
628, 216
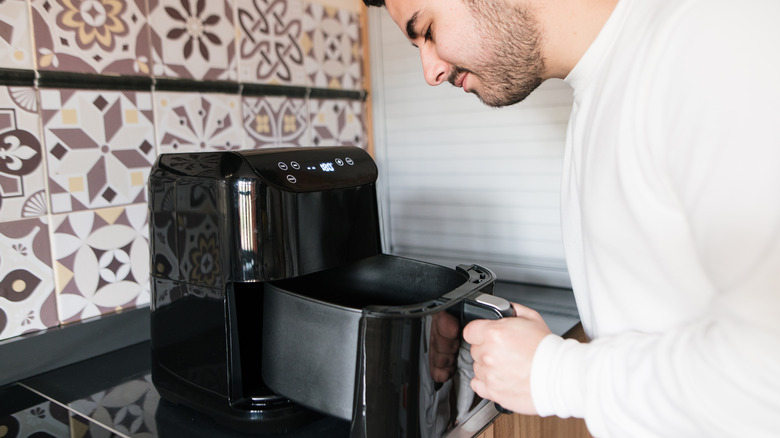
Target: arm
717, 373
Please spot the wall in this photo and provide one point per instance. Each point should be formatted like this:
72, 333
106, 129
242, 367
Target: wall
92, 92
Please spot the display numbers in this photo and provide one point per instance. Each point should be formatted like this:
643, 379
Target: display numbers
327, 167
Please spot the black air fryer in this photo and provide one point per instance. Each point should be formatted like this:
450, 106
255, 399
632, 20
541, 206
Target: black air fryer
273, 304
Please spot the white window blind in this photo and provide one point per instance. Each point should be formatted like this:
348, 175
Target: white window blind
461, 182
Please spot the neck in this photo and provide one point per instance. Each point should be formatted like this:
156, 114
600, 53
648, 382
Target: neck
569, 27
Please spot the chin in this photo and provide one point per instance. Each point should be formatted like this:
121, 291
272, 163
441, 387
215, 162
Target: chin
497, 101
508, 96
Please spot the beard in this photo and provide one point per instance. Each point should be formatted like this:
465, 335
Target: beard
511, 66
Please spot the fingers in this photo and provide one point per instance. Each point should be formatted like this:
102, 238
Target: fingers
487, 385
502, 352
479, 388
474, 333
526, 312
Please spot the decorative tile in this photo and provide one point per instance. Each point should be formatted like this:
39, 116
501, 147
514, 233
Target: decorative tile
332, 47
15, 44
22, 173
275, 121
193, 122
269, 45
27, 301
337, 123
193, 39
101, 261
97, 36
100, 147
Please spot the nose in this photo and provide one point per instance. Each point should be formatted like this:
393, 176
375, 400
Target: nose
435, 69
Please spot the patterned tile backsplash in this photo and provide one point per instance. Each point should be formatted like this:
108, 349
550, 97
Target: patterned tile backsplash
22, 174
193, 39
15, 38
196, 122
269, 43
337, 123
108, 36
111, 245
100, 147
74, 159
331, 42
275, 121
27, 298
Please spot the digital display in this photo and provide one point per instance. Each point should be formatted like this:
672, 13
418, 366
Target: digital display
327, 167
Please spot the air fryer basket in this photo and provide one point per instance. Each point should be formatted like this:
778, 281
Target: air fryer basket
382, 280
318, 329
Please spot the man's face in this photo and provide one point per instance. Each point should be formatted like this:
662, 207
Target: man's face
487, 47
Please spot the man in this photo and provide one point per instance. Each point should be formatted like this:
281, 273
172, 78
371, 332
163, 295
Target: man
670, 205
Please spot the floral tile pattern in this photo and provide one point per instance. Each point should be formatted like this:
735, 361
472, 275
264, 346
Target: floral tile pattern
337, 123
107, 36
275, 121
193, 39
100, 147
27, 300
194, 122
101, 261
332, 47
22, 173
15, 42
269, 45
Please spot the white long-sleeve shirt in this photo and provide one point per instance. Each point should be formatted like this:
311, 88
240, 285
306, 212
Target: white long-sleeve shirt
671, 221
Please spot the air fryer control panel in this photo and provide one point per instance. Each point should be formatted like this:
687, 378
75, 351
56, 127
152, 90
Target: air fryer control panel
312, 169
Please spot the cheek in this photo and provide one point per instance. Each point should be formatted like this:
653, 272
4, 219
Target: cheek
451, 49
458, 48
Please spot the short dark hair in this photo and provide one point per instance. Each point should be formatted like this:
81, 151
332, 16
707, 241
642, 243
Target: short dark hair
379, 3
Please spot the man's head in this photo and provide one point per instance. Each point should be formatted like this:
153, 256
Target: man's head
488, 47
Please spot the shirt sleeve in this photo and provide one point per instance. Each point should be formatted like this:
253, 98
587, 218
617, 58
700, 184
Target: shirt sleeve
719, 373
706, 380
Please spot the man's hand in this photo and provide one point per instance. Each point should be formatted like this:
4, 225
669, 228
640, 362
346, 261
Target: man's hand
503, 352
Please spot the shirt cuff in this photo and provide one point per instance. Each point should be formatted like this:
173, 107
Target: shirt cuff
557, 370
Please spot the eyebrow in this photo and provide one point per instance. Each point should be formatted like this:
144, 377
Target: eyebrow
410, 25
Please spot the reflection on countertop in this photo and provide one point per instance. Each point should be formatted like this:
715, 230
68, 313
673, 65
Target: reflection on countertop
24, 413
112, 395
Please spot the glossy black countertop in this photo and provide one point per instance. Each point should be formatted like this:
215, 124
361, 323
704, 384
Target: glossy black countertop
112, 395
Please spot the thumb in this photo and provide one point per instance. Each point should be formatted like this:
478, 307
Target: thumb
526, 313
474, 332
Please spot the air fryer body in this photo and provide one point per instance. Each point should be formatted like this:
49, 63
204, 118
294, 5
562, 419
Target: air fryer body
223, 223
269, 285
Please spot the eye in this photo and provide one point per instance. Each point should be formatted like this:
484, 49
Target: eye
428, 34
